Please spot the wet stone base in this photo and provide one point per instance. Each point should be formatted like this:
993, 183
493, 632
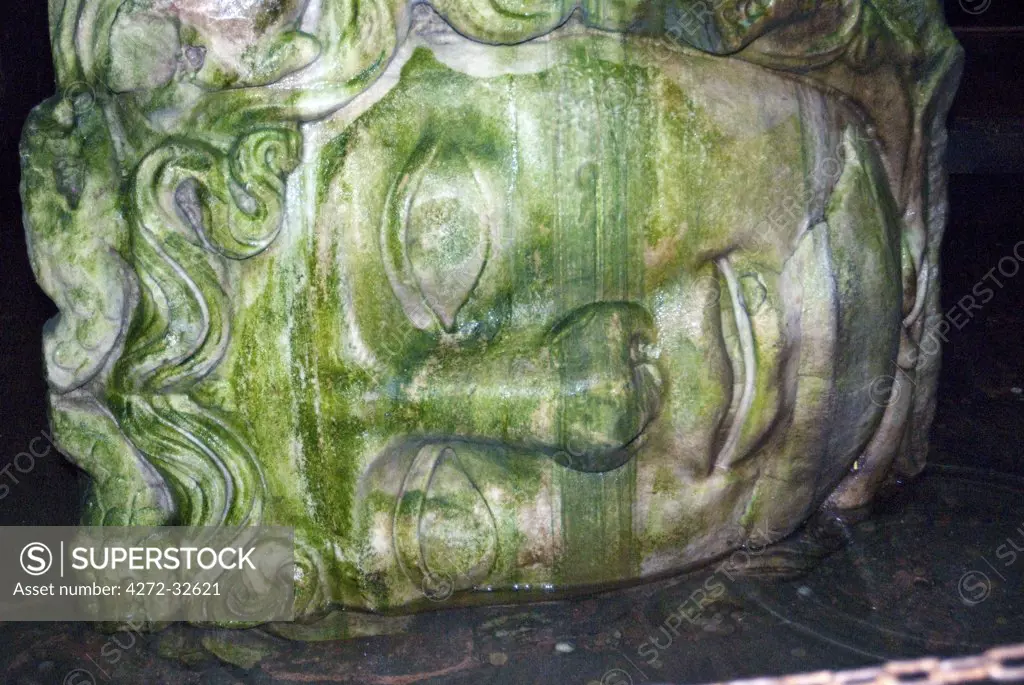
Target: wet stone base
931, 572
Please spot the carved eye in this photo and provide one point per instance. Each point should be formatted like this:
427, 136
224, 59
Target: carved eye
446, 243
437, 235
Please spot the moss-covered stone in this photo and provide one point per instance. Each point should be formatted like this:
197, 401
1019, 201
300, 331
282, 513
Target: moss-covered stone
487, 301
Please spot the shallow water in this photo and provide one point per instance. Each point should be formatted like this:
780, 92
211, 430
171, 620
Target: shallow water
934, 571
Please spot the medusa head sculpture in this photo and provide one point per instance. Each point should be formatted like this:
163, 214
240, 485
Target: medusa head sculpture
494, 294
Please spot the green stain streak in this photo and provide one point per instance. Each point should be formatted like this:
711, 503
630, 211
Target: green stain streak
597, 525
332, 435
265, 398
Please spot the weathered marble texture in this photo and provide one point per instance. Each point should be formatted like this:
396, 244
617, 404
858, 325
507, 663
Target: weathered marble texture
483, 296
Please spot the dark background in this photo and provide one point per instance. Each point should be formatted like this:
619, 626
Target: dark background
980, 419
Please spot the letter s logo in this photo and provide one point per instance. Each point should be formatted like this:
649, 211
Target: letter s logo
36, 558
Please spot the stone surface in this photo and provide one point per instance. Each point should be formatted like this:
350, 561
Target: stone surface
490, 301
894, 593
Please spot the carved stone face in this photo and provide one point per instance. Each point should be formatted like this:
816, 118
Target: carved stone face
576, 298
476, 304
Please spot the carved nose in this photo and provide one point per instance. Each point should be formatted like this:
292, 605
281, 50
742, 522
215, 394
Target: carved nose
611, 387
